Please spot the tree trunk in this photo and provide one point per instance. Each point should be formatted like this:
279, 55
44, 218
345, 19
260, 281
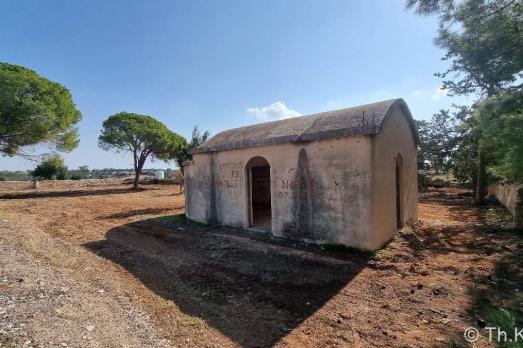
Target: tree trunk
139, 161
137, 173
480, 179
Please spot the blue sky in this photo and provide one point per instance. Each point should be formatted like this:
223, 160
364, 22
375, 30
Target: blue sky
221, 64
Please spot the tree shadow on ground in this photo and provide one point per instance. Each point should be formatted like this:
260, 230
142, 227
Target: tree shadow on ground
498, 293
251, 287
483, 232
444, 238
71, 193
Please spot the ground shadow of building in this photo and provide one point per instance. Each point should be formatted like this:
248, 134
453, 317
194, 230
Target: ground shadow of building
250, 287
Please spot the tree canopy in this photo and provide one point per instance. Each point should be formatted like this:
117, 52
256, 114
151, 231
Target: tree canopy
483, 40
142, 136
500, 119
51, 168
438, 142
183, 154
34, 110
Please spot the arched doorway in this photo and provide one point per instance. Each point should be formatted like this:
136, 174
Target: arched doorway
259, 193
399, 195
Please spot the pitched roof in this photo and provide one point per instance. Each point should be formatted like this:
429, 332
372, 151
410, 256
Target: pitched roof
359, 120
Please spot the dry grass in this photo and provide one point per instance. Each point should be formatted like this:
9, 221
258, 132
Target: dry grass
224, 287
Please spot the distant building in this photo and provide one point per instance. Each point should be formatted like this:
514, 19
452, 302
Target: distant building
347, 176
159, 175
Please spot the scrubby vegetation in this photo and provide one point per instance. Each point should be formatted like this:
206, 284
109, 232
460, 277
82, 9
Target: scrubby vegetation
482, 40
51, 168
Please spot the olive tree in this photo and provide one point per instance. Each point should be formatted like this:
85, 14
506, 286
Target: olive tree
34, 110
141, 135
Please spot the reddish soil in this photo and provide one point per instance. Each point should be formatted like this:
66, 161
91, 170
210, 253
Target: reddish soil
203, 286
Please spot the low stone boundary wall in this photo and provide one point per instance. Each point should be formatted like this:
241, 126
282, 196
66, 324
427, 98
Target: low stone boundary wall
511, 196
57, 184
15, 185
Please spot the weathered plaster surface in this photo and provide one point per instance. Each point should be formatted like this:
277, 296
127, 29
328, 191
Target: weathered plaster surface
320, 190
339, 190
395, 138
198, 188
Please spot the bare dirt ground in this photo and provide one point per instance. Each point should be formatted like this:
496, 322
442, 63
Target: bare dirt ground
113, 267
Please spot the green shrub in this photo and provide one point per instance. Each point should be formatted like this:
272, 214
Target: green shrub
504, 320
51, 168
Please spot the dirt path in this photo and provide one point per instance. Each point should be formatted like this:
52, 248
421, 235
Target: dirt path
48, 297
166, 281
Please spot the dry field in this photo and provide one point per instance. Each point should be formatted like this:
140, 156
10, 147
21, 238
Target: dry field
113, 267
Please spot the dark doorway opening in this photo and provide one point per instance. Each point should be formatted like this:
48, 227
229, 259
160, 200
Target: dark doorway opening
399, 207
260, 193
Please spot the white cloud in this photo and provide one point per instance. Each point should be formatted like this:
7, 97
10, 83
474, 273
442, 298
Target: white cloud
275, 111
440, 92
